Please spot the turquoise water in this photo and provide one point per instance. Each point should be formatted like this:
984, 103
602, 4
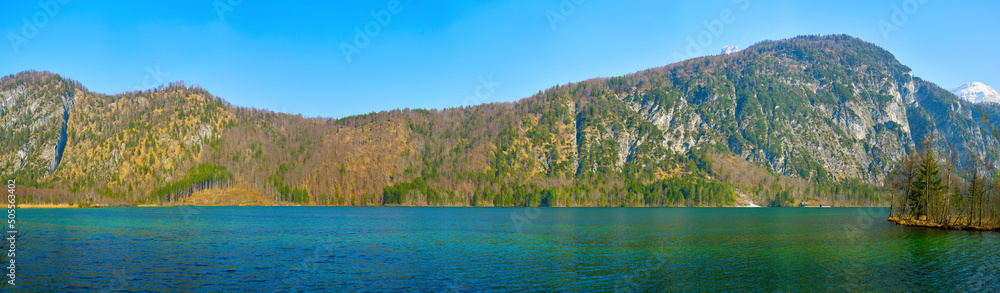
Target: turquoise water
291, 249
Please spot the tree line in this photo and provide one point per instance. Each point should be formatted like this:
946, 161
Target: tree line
930, 189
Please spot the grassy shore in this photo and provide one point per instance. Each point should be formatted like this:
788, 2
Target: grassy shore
46, 206
929, 224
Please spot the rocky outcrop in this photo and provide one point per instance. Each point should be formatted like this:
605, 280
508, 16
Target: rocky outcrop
806, 106
34, 124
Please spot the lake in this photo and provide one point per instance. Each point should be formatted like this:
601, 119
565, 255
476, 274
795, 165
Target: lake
291, 249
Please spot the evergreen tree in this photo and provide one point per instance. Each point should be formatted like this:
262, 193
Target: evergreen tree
927, 185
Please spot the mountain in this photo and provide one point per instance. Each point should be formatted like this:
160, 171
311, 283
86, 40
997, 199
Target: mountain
811, 118
976, 92
729, 49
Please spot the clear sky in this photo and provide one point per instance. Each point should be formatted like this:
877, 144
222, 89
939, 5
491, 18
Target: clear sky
290, 57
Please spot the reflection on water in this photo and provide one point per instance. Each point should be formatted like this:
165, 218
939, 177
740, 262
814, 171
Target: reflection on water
492, 249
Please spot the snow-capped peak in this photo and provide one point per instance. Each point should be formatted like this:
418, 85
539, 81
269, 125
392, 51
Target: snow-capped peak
977, 92
729, 49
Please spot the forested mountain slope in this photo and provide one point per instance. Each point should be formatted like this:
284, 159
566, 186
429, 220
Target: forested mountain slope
816, 118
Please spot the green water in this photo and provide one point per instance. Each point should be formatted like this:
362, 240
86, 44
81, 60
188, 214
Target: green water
495, 249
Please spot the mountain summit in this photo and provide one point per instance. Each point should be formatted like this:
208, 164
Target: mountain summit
729, 49
976, 92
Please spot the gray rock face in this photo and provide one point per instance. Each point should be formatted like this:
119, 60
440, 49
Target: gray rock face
844, 111
33, 122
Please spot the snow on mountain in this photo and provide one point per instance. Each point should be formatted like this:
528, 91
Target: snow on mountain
977, 92
729, 49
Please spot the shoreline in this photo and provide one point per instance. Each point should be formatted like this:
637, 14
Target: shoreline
45, 206
67, 206
927, 224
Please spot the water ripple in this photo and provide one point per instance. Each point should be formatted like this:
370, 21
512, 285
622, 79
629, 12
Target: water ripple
311, 249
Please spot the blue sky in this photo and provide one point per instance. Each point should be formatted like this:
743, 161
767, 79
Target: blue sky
434, 54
